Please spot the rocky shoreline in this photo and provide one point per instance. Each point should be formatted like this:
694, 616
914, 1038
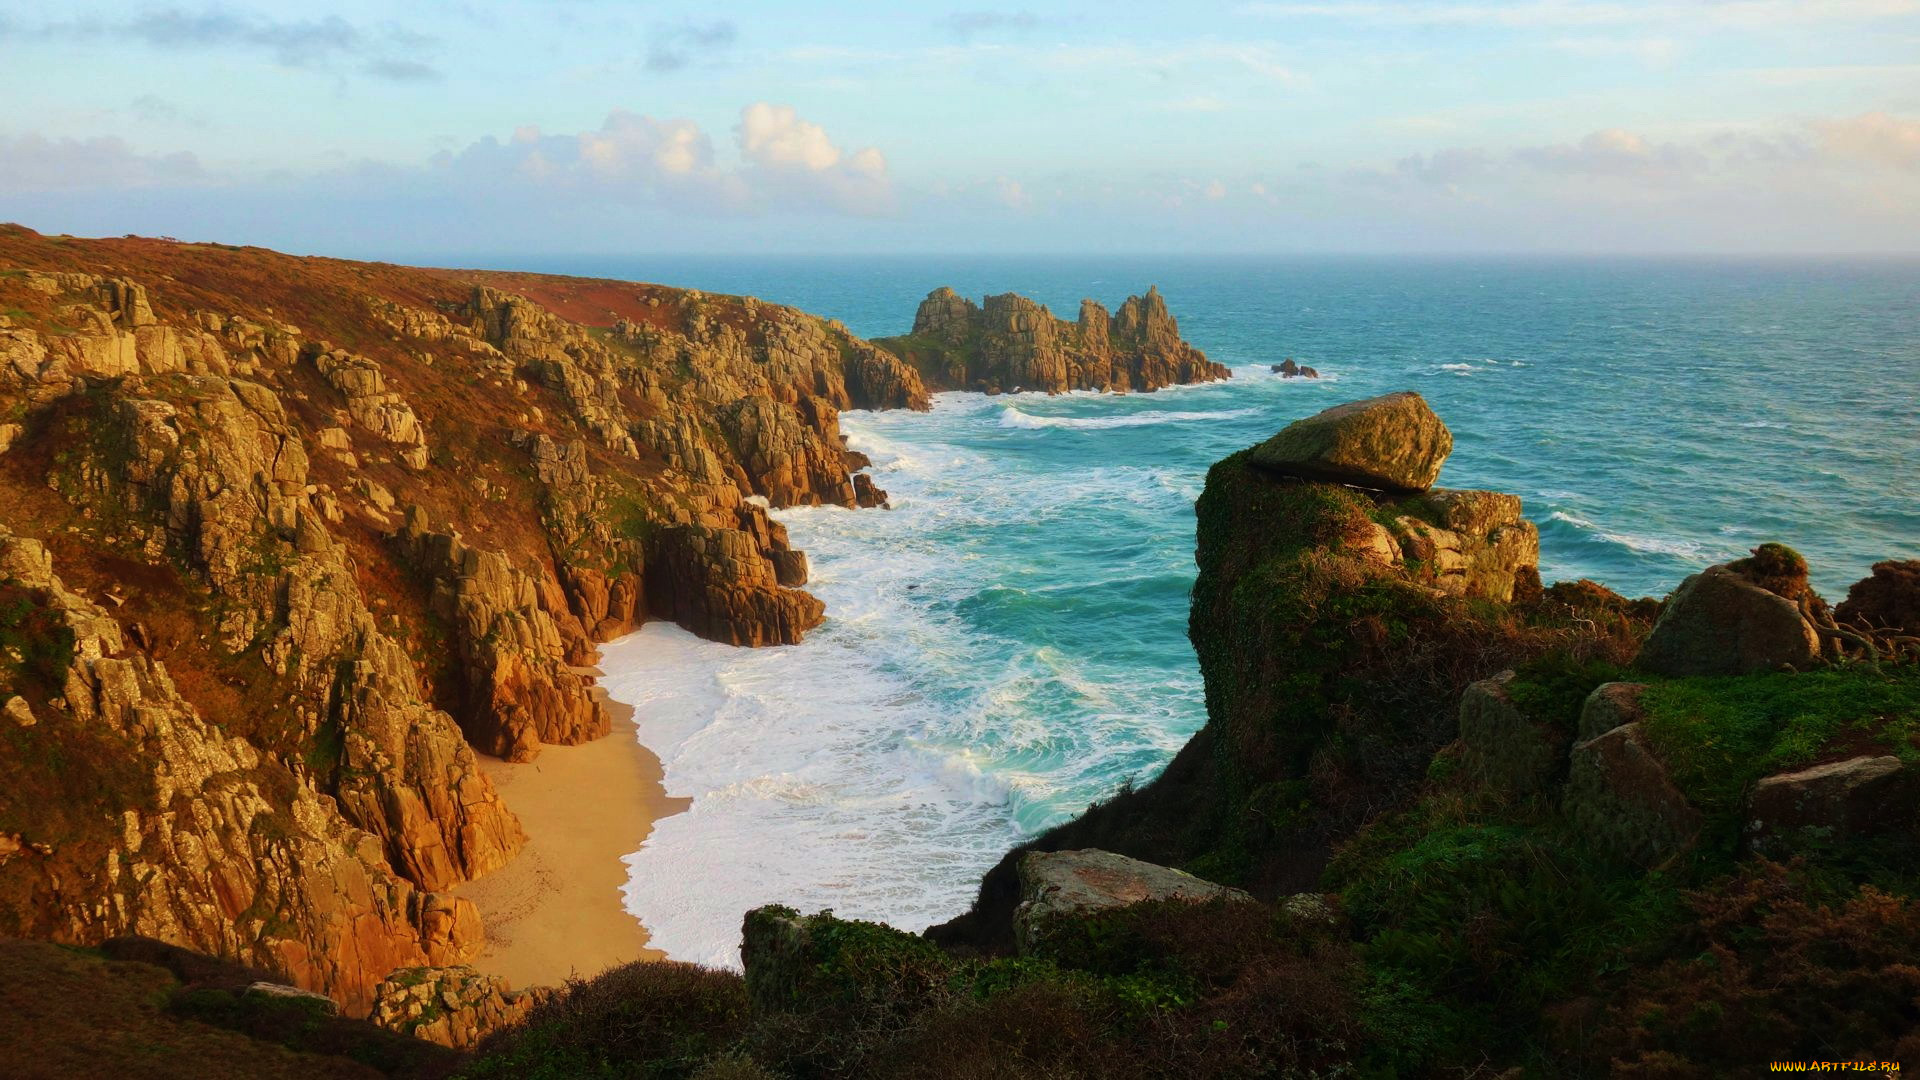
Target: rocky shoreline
290, 542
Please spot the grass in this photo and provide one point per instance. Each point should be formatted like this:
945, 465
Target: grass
1719, 735
1553, 687
73, 1012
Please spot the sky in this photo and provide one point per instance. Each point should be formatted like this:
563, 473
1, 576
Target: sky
460, 127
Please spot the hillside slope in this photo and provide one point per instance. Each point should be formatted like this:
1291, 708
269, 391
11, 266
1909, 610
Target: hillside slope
285, 540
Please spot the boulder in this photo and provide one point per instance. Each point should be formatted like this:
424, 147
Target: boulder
1618, 791
1610, 706
866, 493
1504, 748
1719, 623
1054, 884
1859, 796
283, 992
1391, 443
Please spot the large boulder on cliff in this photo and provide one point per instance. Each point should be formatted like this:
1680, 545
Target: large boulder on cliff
1722, 621
1062, 884
1858, 796
1390, 443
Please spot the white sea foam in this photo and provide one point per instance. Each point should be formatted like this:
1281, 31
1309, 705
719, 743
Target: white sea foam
882, 765
1014, 418
1681, 548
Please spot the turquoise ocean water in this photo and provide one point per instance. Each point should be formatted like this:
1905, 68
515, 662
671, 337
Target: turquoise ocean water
1009, 642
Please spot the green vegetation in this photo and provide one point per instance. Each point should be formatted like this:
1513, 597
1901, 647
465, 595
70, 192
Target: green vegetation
36, 647
1554, 686
657, 1021
1481, 922
1719, 735
1170, 989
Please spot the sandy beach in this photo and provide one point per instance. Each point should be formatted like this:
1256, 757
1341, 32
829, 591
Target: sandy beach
555, 910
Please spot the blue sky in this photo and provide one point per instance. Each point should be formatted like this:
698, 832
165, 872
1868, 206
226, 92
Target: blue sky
596, 126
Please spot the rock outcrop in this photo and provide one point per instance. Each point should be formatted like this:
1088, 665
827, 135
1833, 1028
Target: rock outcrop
1609, 706
1009, 343
452, 1006
1289, 369
1465, 543
1336, 628
163, 825
1057, 885
515, 643
1392, 443
1888, 598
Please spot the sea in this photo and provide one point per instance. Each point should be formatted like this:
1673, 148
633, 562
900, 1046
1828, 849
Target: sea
1008, 642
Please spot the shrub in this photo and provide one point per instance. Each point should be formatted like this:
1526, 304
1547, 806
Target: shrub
1773, 969
652, 1020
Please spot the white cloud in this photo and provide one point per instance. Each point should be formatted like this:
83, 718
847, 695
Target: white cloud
1613, 152
775, 136
1589, 13
1876, 137
35, 163
795, 159
784, 161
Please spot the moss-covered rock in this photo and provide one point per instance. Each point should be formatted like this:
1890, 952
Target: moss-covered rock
1393, 443
1619, 792
1504, 747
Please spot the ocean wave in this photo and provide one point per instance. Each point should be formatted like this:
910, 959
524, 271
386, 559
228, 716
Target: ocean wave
1012, 417
1676, 547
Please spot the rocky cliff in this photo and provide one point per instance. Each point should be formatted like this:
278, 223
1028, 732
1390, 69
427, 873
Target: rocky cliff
284, 541
1010, 343
1627, 838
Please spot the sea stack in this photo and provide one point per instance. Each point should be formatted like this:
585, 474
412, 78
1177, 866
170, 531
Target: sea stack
1008, 343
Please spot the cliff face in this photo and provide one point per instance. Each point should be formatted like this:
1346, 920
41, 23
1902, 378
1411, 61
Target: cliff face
1335, 628
1010, 343
282, 541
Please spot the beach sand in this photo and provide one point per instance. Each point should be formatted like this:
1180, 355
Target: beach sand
555, 910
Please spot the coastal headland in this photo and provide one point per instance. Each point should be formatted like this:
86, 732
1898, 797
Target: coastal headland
304, 566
